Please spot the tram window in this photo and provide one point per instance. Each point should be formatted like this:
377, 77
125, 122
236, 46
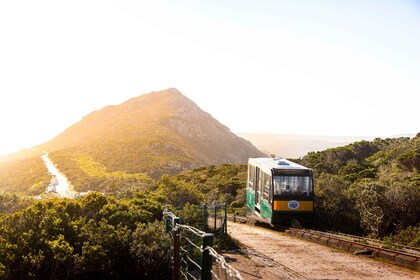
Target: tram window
251, 176
292, 185
265, 178
257, 184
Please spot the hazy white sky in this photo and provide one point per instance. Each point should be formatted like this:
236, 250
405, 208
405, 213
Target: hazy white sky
304, 67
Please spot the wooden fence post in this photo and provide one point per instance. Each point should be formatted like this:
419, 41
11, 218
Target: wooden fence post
176, 265
206, 258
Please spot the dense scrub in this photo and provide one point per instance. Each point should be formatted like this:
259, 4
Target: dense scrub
114, 236
223, 184
372, 187
95, 237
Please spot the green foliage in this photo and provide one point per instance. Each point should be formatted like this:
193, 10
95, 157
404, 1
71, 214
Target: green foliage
103, 236
409, 236
373, 207
10, 203
29, 176
149, 242
94, 237
410, 160
373, 186
192, 215
223, 184
177, 192
334, 206
342, 159
85, 173
404, 200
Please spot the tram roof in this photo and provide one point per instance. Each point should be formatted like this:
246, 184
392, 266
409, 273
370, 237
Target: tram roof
275, 163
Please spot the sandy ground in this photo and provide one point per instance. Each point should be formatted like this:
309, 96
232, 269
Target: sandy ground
273, 255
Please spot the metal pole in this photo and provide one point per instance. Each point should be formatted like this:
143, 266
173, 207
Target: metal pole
225, 222
204, 216
215, 217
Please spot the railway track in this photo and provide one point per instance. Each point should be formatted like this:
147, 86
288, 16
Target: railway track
401, 255
375, 242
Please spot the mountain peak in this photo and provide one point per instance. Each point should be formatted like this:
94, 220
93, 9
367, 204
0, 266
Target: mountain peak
170, 97
169, 92
155, 133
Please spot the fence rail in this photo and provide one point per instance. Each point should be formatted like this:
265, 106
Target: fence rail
193, 256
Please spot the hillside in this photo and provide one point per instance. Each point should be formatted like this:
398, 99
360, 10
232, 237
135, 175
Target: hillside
369, 185
157, 133
296, 146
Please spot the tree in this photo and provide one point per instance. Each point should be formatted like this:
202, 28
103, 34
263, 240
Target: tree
404, 201
410, 160
177, 193
374, 207
335, 208
151, 249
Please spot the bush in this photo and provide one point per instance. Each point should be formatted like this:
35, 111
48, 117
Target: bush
409, 236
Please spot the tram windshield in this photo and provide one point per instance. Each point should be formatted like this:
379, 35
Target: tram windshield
296, 185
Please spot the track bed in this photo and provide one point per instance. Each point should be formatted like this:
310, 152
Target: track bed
275, 255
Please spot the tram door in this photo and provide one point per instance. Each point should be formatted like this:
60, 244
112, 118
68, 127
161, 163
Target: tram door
257, 187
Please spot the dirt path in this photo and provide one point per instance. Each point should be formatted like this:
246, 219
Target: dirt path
274, 255
63, 187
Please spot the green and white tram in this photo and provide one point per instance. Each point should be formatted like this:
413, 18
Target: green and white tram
280, 191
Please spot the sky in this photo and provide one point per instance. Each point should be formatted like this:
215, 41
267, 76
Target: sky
341, 68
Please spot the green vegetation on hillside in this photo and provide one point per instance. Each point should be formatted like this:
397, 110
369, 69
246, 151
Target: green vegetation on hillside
95, 237
29, 176
371, 186
223, 184
87, 174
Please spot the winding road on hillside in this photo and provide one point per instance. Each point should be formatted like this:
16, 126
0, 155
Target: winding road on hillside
61, 183
275, 255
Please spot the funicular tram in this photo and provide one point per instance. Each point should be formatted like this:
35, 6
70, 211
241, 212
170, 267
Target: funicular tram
280, 191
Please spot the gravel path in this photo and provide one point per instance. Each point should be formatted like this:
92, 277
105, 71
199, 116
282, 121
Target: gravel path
274, 255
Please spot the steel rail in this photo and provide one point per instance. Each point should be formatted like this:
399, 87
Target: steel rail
409, 249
